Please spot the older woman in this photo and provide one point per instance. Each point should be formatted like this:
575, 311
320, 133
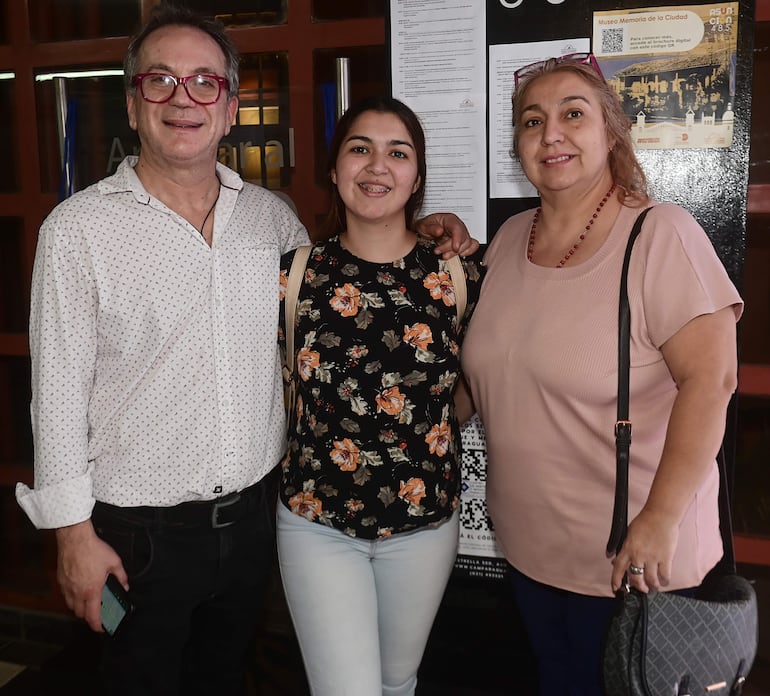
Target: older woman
546, 386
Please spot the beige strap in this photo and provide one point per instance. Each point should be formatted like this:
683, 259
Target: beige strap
296, 273
457, 274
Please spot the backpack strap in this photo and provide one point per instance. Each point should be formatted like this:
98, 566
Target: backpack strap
456, 272
296, 273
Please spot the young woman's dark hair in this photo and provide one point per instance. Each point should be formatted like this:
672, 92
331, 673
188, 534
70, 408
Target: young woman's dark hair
335, 220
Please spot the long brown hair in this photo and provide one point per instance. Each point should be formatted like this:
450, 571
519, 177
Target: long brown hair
335, 221
626, 171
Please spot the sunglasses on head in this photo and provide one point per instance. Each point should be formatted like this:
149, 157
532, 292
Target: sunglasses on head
570, 58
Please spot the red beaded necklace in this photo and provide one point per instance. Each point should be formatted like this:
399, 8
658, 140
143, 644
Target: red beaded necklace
579, 241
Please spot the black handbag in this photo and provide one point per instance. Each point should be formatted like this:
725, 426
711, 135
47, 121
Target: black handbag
662, 644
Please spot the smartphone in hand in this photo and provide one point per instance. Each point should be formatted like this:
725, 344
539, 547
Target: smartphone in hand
116, 605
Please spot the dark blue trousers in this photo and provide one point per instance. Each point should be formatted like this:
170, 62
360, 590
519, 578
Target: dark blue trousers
566, 632
197, 579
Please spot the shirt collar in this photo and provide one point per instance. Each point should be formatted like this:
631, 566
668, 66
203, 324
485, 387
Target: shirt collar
125, 180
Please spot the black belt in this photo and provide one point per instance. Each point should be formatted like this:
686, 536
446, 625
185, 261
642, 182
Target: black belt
214, 514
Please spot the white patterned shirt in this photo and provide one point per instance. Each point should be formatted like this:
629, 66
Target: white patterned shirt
155, 367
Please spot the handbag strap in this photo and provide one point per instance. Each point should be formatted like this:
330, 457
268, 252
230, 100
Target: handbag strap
623, 424
623, 427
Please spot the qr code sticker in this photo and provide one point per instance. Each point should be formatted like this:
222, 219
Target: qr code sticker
612, 40
474, 515
474, 463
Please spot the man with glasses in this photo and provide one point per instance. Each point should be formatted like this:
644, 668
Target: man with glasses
157, 402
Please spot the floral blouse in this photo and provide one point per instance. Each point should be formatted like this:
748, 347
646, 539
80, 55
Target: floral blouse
373, 444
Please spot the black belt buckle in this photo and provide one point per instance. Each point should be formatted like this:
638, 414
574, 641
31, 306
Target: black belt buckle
230, 500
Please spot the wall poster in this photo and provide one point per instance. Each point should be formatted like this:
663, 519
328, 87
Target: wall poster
438, 68
674, 70
478, 553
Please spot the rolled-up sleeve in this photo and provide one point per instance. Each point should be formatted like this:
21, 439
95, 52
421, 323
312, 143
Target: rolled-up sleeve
63, 352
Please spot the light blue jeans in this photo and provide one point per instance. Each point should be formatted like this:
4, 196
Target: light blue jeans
362, 610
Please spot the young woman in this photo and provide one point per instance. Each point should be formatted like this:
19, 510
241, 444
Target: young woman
367, 517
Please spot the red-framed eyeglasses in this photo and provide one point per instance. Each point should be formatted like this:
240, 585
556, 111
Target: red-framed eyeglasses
160, 87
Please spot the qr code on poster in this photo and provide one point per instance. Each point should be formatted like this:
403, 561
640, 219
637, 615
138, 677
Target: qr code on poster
474, 463
612, 40
473, 506
474, 515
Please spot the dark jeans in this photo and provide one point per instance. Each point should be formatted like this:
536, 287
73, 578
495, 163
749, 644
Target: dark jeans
566, 631
196, 589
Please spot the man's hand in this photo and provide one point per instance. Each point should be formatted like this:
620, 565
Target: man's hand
84, 562
450, 233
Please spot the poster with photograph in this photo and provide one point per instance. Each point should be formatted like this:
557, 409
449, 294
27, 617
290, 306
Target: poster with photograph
674, 70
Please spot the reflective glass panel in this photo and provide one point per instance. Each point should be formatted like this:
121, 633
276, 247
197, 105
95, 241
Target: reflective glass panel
751, 498
329, 10
9, 172
14, 308
3, 22
96, 126
15, 427
754, 337
258, 146
66, 20
242, 13
20, 543
367, 78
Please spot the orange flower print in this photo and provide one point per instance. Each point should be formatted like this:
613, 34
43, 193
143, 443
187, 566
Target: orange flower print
283, 282
418, 336
306, 505
347, 300
357, 352
441, 287
391, 401
300, 408
345, 455
354, 505
413, 491
438, 438
307, 361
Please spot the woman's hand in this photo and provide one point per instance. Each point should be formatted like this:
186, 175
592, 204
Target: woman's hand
450, 233
649, 547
